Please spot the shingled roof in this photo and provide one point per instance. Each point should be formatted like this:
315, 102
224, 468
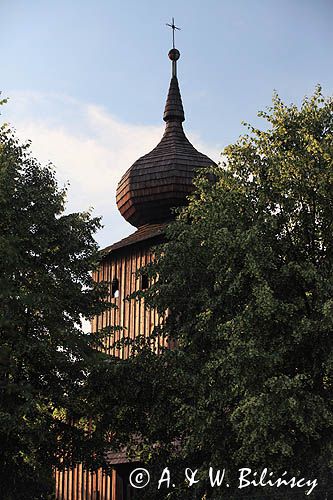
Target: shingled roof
148, 231
174, 107
163, 178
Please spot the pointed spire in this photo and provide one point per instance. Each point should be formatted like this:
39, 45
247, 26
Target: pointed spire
174, 107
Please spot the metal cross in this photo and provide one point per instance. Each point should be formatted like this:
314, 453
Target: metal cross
174, 27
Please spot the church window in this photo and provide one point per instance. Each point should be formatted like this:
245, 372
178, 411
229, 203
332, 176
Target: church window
144, 281
115, 288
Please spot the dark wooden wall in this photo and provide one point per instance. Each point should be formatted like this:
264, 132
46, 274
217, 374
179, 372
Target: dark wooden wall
131, 315
76, 483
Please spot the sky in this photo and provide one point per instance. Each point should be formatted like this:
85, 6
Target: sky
87, 80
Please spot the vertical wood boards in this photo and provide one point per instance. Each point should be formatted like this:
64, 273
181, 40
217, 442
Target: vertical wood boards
77, 483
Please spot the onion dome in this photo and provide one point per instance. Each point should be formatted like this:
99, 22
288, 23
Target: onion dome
162, 179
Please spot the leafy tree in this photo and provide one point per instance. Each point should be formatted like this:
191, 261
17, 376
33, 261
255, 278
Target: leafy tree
46, 289
247, 277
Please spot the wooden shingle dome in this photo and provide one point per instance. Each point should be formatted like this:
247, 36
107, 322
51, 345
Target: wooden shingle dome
162, 179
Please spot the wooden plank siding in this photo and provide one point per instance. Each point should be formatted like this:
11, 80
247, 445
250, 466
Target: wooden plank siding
76, 483
131, 315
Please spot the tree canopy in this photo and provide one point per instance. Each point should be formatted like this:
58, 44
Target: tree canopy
46, 290
246, 275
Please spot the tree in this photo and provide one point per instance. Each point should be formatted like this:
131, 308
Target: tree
46, 289
247, 277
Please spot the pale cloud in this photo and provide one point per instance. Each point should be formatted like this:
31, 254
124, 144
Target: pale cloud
90, 149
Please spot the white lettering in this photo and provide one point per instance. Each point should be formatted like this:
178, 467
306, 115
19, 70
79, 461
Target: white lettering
163, 479
244, 472
190, 476
217, 480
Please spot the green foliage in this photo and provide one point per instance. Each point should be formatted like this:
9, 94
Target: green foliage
46, 289
247, 278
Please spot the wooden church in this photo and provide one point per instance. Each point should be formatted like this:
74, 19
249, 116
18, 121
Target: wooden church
146, 194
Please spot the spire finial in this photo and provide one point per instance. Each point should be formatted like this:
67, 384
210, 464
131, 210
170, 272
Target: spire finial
174, 53
174, 27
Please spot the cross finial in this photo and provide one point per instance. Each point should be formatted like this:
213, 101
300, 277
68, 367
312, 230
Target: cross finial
174, 27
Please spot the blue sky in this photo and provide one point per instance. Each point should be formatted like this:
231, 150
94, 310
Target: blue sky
88, 80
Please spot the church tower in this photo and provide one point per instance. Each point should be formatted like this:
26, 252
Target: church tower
146, 194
